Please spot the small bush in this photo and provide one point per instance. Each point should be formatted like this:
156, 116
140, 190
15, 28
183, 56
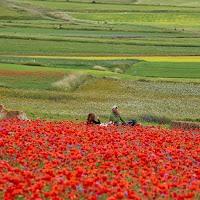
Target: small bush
118, 70
122, 65
97, 67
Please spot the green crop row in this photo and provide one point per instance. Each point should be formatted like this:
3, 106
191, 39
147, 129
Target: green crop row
91, 7
184, 3
32, 46
171, 42
165, 69
160, 18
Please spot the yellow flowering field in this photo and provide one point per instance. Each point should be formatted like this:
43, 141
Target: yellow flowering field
146, 58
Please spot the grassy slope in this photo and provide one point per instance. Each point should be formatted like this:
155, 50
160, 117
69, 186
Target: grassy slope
8, 13
136, 99
151, 101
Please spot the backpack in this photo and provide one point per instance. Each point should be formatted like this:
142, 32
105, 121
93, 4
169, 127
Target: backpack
132, 122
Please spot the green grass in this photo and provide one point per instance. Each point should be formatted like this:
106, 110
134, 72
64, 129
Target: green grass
156, 42
186, 3
66, 35
191, 3
136, 99
4, 12
159, 18
89, 7
147, 91
29, 79
8, 13
49, 27
24, 76
165, 69
29, 68
32, 46
60, 65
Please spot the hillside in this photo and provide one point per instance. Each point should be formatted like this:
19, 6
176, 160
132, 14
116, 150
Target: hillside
148, 53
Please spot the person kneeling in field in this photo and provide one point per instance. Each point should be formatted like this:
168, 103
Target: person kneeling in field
91, 119
116, 117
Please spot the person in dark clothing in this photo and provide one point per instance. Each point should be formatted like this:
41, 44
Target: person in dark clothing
91, 119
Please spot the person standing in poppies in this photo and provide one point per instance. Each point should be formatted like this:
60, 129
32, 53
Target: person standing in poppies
116, 117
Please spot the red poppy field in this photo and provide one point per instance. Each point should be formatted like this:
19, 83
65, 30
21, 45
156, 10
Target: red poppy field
69, 160
34, 79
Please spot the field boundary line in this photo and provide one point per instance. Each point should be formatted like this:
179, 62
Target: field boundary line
98, 55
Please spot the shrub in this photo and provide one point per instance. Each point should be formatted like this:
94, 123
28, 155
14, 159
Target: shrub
97, 67
121, 67
118, 70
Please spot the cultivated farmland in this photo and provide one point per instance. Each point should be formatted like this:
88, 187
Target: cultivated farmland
131, 42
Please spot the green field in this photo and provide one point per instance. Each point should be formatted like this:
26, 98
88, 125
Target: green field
192, 3
44, 43
111, 7
160, 18
9, 12
93, 47
165, 70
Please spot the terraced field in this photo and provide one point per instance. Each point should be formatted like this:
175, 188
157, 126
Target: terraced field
125, 44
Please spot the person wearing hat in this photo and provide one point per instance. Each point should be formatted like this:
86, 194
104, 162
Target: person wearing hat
115, 116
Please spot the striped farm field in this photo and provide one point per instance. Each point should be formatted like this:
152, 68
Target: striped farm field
185, 3
162, 18
106, 6
150, 58
170, 58
165, 69
185, 68
29, 79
